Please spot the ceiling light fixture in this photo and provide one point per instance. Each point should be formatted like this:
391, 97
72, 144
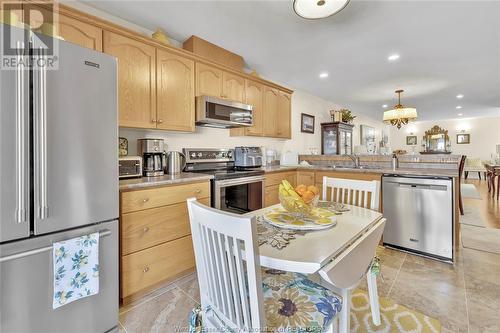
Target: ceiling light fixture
460, 114
318, 9
460, 96
385, 106
393, 57
323, 75
458, 107
400, 115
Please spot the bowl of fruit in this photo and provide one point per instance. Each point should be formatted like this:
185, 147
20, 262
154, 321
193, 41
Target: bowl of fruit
299, 200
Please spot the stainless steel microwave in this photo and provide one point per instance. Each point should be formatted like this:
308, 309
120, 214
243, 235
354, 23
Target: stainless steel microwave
222, 113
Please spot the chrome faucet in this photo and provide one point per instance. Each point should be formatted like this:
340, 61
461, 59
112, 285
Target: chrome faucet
355, 159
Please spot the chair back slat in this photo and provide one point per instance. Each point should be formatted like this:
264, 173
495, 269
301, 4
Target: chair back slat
349, 191
228, 267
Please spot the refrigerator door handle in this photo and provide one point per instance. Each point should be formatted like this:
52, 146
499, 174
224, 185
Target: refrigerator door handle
21, 135
41, 138
20, 255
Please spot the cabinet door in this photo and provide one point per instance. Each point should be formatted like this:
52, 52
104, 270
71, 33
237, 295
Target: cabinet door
233, 87
271, 101
255, 97
72, 30
329, 141
136, 80
208, 80
348, 142
175, 92
284, 109
80, 33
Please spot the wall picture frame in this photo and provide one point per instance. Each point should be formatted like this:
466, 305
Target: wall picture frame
463, 139
307, 123
411, 140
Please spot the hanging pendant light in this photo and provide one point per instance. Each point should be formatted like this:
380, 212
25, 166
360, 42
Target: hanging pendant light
400, 115
318, 9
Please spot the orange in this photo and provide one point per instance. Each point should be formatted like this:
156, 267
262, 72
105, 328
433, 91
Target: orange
308, 196
301, 189
313, 189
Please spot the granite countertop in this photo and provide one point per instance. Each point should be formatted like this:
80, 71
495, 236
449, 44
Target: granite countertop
400, 171
144, 182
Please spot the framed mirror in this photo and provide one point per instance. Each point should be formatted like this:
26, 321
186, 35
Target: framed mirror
436, 141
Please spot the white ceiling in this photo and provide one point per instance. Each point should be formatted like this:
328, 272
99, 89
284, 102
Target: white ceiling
446, 48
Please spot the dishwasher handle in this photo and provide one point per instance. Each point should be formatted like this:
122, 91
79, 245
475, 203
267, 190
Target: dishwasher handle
423, 186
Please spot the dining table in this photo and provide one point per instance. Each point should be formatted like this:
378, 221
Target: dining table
308, 252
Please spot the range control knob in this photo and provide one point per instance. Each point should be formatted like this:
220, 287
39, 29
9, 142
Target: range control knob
200, 155
193, 155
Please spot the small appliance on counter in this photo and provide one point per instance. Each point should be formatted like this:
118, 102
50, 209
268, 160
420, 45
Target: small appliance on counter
289, 158
129, 167
271, 157
152, 152
247, 157
176, 161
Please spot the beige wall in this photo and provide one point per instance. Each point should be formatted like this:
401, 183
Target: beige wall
484, 135
219, 138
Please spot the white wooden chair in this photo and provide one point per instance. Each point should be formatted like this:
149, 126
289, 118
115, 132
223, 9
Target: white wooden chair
232, 292
346, 271
364, 194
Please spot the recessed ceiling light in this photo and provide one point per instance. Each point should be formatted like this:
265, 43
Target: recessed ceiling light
458, 107
460, 96
393, 57
323, 75
385, 106
460, 114
317, 9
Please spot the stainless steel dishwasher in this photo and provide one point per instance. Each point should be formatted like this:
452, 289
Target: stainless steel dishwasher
419, 212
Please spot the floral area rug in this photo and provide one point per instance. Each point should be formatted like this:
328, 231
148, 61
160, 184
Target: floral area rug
395, 318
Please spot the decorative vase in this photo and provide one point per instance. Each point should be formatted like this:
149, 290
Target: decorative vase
160, 36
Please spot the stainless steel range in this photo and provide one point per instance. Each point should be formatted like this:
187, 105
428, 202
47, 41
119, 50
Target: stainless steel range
233, 189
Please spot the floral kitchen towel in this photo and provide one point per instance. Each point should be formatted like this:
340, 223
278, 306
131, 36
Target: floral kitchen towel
76, 269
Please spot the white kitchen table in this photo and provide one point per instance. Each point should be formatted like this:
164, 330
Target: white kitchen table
308, 253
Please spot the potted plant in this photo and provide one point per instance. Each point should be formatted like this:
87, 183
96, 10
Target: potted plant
347, 116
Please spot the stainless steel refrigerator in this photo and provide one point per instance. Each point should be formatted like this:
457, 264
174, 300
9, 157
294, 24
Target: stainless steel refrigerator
58, 180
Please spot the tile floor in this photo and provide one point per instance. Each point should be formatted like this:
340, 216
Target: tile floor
465, 297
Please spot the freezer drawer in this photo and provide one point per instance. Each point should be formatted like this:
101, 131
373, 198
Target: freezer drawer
26, 287
419, 214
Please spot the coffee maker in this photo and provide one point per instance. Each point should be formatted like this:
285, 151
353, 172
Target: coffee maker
152, 153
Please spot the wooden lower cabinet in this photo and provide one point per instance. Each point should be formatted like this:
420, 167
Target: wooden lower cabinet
305, 177
271, 194
155, 236
144, 269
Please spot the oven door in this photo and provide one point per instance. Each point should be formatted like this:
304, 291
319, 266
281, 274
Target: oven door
239, 195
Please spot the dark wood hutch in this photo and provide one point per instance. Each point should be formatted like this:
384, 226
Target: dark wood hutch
336, 138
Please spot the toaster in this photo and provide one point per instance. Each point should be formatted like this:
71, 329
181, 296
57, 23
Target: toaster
247, 157
129, 167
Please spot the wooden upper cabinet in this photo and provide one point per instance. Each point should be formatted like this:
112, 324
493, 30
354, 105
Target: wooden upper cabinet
72, 30
271, 102
208, 80
255, 97
284, 115
233, 87
175, 92
80, 33
136, 80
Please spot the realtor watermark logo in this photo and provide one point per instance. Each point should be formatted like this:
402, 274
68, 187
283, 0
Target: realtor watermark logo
28, 42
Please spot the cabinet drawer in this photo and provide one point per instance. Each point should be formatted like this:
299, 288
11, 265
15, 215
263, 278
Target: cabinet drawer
271, 196
276, 178
144, 269
147, 228
162, 196
305, 177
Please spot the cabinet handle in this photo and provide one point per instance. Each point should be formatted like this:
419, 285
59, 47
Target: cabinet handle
146, 269
146, 229
145, 200
153, 120
160, 121
197, 191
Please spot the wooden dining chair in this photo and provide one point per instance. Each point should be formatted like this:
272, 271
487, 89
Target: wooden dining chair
345, 272
236, 294
364, 194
